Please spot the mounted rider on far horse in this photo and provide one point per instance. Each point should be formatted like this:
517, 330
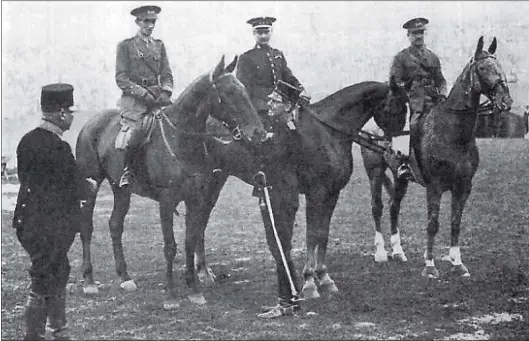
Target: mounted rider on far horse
145, 77
418, 70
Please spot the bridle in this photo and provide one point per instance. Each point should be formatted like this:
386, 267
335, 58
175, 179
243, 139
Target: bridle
233, 126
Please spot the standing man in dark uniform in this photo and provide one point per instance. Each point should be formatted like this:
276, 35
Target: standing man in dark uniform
48, 210
260, 68
418, 70
145, 77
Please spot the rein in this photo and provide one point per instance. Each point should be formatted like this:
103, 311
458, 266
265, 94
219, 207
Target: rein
161, 117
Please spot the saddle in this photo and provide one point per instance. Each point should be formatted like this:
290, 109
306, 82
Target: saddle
147, 127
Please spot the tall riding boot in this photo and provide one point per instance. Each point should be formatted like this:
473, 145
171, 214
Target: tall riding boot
35, 317
57, 313
127, 177
404, 170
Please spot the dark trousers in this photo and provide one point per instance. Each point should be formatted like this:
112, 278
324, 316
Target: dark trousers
48, 248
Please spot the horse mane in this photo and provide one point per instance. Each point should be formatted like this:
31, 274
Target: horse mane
349, 96
184, 108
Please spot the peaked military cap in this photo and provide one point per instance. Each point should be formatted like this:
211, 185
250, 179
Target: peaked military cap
146, 12
261, 22
416, 24
57, 97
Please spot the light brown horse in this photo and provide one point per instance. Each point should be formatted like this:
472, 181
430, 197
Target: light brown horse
447, 156
174, 156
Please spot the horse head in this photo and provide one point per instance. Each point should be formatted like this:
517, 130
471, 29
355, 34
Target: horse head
392, 117
487, 76
231, 104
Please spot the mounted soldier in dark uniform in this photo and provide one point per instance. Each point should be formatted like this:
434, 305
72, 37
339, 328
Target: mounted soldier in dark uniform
145, 77
264, 69
418, 70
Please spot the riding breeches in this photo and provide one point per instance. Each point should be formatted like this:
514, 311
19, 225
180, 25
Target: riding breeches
47, 245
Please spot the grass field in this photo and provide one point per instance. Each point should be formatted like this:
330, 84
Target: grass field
388, 301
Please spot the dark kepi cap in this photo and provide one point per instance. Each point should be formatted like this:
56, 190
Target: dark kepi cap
261, 22
416, 24
57, 97
146, 12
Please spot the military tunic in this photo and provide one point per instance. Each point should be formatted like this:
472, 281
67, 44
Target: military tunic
47, 212
259, 69
420, 73
141, 67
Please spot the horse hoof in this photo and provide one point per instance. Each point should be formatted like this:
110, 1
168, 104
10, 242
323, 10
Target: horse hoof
460, 270
310, 293
430, 272
381, 257
197, 299
91, 289
171, 304
399, 257
128, 285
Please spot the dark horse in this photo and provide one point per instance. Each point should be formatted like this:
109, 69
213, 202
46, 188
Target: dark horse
315, 160
447, 156
174, 156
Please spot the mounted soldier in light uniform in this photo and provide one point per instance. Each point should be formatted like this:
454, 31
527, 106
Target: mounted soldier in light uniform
145, 77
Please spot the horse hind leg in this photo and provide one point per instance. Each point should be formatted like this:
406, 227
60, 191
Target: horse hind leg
87, 228
399, 191
460, 195
115, 223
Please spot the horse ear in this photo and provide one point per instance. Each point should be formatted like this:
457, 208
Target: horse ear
479, 48
493, 46
231, 66
219, 69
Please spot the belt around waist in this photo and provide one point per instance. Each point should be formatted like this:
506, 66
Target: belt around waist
145, 81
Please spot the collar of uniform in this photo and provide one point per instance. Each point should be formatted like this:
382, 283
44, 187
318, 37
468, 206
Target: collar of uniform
417, 51
259, 47
146, 40
46, 125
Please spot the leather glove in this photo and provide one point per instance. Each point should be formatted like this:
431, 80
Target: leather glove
149, 100
164, 99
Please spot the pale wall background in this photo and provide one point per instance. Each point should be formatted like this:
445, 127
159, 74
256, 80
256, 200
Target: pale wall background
328, 45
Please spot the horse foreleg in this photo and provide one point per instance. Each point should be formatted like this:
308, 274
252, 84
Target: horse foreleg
433, 197
399, 191
167, 206
115, 223
310, 290
211, 189
460, 194
376, 178
87, 228
326, 209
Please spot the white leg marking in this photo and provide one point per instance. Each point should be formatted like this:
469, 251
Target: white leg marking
380, 253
